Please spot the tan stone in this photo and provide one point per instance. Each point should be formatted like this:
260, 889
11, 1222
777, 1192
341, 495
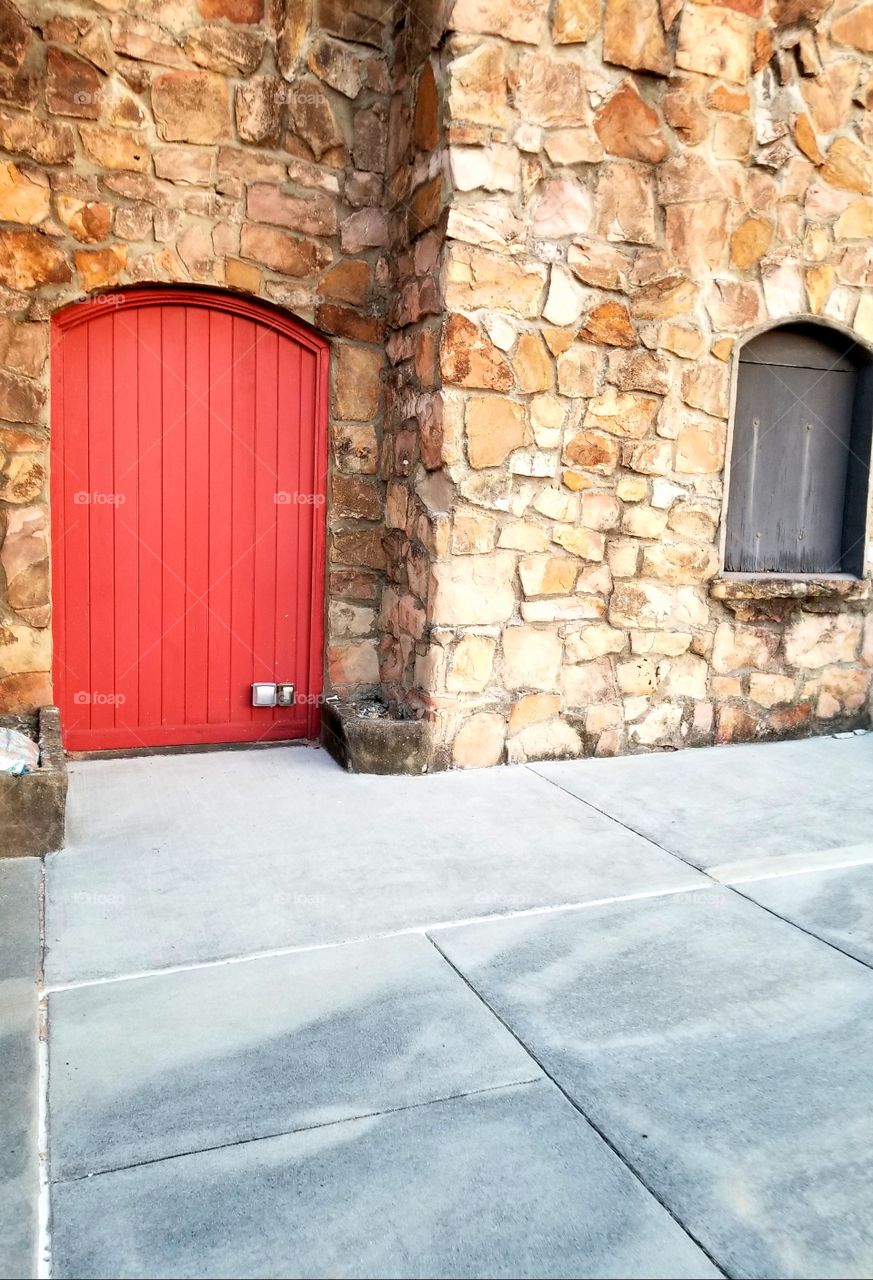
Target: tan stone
23, 346
715, 42
855, 28
42, 140
521, 535
625, 204
642, 521
115, 148
629, 127
495, 427
575, 21
310, 215
664, 298
598, 264
600, 511
547, 575
736, 648
468, 359
700, 447
841, 689
705, 387
472, 590
584, 543
533, 368
679, 562
641, 604
817, 640
593, 641
685, 677
750, 241
819, 282
848, 166
697, 234
632, 488
573, 146
312, 121
669, 644
621, 413
637, 678
22, 477
533, 708
521, 20
641, 371
648, 457
479, 743
476, 278
609, 323
565, 299
470, 664
549, 91
472, 531
829, 95
592, 451
588, 683
634, 37
768, 690
552, 740
577, 370
531, 658
191, 106
287, 254
477, 86
357, 373
23, 196
565, 208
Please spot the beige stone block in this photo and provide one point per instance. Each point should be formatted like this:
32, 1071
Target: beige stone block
715, 42
643, 521
476, 278
641, 604
632, 488
634, 37
495, 426
587, 683
593, 451
622, 556
659, 726
584, 543
736, 648
595, 641
648, 457
621, 413
522, 535
547, 575
770, 690
551, 740
563, 609
817, 640
533, 708
680, 562
683, 677
471, 590
575, 21
549, 91
626, 204
577, 370
479, 742
669, 644
477, 85
358, 373
557, 504
470, 664
637, 678
600, 511
531, 658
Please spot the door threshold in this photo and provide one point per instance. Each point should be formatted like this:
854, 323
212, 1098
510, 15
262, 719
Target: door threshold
195, 748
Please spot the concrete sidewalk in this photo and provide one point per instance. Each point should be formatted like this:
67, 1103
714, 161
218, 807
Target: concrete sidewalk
603, 1018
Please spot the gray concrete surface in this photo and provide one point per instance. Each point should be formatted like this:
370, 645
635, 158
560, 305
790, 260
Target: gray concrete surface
179, 859
523, 1079
726, 804
145, 1069
19, 958
723, 1052
835, 905
507, 1183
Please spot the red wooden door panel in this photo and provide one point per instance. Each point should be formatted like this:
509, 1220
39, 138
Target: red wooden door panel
188, 503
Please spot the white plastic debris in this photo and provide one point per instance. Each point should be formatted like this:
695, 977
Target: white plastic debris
18, 754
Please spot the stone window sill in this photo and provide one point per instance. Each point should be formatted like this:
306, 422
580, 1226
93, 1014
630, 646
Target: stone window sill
776, 586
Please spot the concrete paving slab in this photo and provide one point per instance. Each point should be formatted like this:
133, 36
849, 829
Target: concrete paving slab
158, 1066
506, 1183
724, 804
836, 906
179, 859
19, 1068
722, 1051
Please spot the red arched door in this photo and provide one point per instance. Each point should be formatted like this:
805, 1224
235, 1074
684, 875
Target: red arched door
188, 505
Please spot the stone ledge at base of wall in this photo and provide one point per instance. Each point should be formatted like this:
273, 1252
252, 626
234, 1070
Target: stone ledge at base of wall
33, 807
383, 744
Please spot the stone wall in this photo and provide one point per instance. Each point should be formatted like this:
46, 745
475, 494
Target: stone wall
535, 232
634, 188
232, 143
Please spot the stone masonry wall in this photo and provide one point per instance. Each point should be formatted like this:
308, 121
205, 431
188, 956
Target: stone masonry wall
535, 232
634, 187
234, 143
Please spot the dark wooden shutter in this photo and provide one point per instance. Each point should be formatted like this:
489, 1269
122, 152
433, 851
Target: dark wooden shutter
797, 479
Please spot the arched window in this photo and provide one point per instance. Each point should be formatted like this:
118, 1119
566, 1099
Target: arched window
800, 455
